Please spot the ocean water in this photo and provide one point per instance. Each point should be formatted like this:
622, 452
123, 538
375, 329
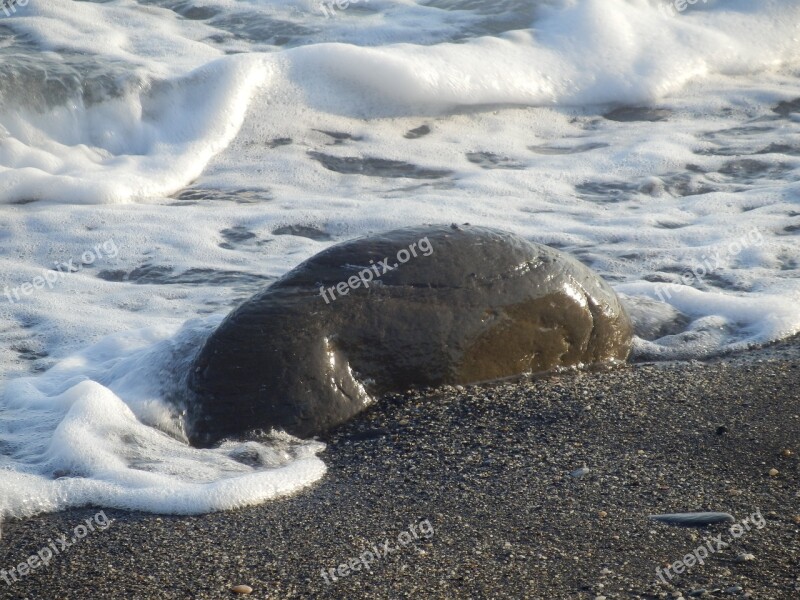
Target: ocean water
161, 160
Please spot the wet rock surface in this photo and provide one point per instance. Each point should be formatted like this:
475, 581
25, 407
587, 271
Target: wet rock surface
411, 307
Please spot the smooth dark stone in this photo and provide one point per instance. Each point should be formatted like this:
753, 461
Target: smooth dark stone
694, 519
418, 132
475, 304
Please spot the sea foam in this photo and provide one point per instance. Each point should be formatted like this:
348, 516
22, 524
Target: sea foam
69, 440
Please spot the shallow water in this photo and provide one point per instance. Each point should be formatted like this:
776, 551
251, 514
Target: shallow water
170, 158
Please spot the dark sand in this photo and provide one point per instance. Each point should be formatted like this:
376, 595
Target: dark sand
490, 468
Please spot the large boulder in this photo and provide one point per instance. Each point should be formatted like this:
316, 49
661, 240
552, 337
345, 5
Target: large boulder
411, 307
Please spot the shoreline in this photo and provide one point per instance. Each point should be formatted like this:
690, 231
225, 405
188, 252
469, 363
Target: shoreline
490, 468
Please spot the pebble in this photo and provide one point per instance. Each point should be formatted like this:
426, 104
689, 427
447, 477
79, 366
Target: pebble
694, 518
579, 473
786, 453
744, 557
602, 514
734, 589
242, 589
773, 472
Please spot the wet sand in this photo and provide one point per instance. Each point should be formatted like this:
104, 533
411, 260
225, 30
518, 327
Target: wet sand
490, 468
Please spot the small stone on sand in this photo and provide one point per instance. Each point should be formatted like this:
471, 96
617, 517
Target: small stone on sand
579, 473
734, 590
242, 589
694, 519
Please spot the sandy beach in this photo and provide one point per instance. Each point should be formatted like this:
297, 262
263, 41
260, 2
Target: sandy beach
497, 472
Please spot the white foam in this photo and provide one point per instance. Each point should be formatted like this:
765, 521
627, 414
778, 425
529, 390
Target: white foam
148, 37
70, 441
589, 52
136, 147
154, 142
718, 321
